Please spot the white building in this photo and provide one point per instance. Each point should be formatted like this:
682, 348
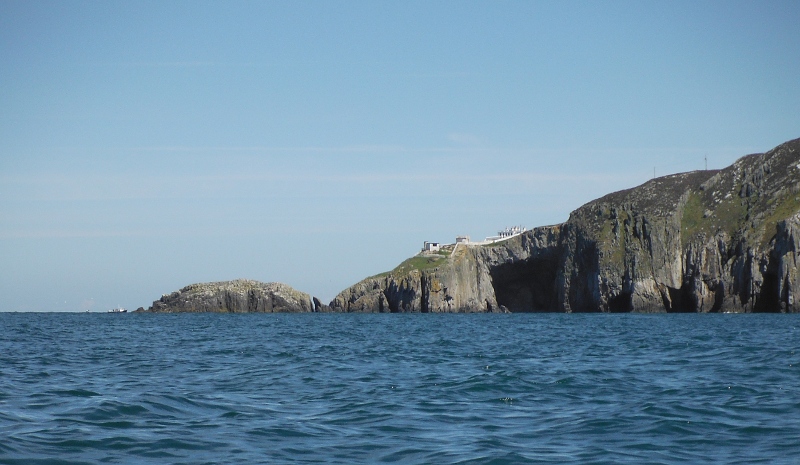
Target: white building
430, 246
506, 234
462, 239
512, 231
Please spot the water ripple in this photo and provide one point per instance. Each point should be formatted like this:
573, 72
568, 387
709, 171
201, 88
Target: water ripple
467, 389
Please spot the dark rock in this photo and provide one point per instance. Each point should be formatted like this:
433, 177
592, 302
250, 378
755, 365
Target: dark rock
239, 296
320, 307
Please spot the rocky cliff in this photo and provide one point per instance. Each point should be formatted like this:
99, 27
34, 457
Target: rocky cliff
464, 279
239, 296
705, 241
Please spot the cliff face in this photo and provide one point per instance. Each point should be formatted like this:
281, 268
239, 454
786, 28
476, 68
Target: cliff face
239, 296
705, 241
468, 279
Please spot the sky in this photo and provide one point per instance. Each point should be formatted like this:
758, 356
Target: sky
145, 146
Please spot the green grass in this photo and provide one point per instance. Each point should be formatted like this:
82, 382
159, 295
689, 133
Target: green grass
417, 262
785, 207
420, 263
728, 216
692, 220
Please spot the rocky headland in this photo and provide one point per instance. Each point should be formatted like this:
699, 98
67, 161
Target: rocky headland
706, 241
238, 296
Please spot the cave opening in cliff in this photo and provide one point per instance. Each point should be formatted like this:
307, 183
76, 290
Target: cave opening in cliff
621, 303
526, 286
768, 299
719, 297
681, 300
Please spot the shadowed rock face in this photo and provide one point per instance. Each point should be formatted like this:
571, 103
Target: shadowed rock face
526, 285
704, 241
239, 296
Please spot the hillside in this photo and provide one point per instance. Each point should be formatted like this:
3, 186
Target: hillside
704, 241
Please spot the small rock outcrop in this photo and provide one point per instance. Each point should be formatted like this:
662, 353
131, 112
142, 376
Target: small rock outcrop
705, 241
239, 296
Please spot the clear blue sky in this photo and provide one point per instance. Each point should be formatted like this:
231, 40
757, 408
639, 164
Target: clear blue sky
145, 146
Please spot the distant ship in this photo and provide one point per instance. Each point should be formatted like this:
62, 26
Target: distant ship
118, 310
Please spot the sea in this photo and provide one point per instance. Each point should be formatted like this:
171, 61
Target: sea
399, 388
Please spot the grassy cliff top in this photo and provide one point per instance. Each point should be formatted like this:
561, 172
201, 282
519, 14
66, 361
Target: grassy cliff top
746, 199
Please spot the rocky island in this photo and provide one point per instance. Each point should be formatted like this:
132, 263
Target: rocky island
238, 296
705, 241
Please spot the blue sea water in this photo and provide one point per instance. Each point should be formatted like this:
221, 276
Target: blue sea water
399, 388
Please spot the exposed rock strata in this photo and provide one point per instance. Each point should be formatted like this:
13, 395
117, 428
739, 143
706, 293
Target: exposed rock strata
239, 296
704, 241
